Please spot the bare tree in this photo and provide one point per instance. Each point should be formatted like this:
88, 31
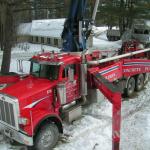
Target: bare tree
11, 11
8, 41
8, 31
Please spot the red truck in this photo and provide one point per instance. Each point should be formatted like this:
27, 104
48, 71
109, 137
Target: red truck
32, 107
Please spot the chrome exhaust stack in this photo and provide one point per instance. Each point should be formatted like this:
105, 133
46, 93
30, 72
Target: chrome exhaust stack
83, 78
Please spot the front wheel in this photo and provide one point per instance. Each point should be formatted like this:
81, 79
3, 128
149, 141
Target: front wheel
47, 137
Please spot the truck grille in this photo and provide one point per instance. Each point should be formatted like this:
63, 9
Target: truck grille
9, 111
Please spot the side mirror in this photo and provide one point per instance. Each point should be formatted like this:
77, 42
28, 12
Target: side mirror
71, 74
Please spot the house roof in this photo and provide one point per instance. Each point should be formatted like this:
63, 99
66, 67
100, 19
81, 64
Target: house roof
43, 28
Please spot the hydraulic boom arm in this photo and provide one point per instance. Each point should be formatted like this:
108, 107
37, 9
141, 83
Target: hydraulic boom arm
70, 33
76, 28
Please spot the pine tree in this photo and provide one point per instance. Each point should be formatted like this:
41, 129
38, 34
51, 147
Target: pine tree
122, 12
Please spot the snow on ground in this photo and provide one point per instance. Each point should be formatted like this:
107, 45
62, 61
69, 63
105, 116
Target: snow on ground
102, 42
93, 130
136, 122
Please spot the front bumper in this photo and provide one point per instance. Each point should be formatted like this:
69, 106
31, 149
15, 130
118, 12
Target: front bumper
17, 136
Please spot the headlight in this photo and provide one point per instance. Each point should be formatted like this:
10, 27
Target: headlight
24, 121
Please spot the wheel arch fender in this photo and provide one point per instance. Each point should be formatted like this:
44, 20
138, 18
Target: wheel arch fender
51, 119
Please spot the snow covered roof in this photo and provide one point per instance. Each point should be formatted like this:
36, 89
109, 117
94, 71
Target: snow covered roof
24, 29
45, 28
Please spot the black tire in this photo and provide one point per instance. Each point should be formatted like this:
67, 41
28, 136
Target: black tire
46, 137
130, 88
139, 84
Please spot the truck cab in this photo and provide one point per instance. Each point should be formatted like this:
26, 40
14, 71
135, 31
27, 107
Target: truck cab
50, 93
53, 91
64, 70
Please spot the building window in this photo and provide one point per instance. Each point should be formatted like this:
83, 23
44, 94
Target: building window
48, 41
42, 39
56, 42
32, 39
36, 39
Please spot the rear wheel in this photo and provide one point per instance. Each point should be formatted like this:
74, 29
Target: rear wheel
46, 137
139, 82
130, 87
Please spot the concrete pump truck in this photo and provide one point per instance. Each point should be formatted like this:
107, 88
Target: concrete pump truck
32, 107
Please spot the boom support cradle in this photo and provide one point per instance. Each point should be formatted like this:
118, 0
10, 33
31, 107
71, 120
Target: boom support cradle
113, 94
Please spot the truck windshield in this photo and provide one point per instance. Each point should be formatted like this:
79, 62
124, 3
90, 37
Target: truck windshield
45, 71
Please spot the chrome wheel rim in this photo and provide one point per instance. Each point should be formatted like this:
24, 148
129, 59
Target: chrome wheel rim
46, 139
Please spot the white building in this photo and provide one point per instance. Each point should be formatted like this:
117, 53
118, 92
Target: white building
46, 32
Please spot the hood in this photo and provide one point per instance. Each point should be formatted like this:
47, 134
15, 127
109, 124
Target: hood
29, 89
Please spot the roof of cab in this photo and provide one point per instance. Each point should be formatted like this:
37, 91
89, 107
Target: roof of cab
56, 58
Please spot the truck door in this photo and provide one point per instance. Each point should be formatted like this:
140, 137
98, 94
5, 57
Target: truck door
70, 76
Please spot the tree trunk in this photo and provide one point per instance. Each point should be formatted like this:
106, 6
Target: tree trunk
8, 41
122, 17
